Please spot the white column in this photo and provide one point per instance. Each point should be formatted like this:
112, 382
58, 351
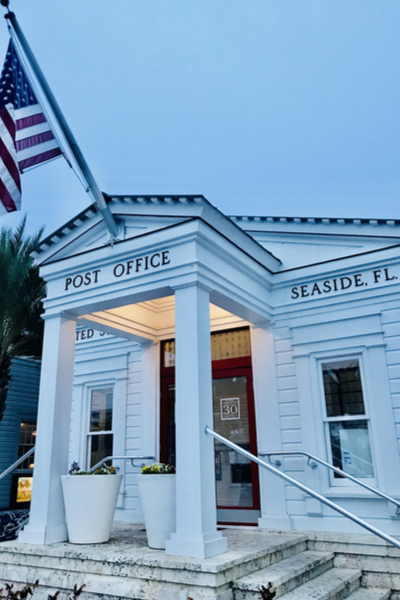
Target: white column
272, 487
47, 518
196, 533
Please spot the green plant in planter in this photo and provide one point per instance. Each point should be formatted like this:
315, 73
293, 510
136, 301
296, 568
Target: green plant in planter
90, 503
158, 469
102, 470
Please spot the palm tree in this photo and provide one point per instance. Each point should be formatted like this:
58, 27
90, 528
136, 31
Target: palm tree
21, 293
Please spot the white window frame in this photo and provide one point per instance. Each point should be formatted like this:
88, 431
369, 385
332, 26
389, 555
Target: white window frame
344, 482
89, 434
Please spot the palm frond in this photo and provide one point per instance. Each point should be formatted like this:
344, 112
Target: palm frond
21, 294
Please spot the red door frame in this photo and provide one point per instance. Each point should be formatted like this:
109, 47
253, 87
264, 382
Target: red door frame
166, 381
220, 368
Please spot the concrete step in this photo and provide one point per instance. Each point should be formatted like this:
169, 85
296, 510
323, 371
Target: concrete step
127, 569
334, 584
370, 594
284, 575
378, 571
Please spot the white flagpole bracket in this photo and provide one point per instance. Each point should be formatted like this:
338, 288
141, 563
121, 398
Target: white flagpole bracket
92, 186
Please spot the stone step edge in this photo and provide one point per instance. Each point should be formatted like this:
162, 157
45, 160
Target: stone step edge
99, 584
108, 585
42, 592
369, 546
74, 554
344, 578
85, 564
118, 590
362, 539
363, 593
253, 581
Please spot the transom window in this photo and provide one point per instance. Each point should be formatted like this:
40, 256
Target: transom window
100, 436
346, 420
234, 343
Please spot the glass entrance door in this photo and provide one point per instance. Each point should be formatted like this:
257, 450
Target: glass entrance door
237, 486
236, 476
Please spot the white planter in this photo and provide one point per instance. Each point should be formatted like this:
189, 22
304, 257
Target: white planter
90, 502
158, 495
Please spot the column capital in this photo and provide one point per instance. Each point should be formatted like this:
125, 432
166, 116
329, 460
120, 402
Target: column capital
266, 325
62, 314
191, 284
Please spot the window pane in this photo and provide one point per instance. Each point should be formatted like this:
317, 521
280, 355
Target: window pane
101, 409
343, 391
233, 470
101, 446
169, 354
230, 344
351, 448
27, 439
24, 489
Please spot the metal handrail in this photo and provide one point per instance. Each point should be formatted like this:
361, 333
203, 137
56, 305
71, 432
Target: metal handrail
131, 458
304, 488
311, 457
17, 462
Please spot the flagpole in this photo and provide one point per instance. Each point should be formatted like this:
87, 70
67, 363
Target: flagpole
92, 186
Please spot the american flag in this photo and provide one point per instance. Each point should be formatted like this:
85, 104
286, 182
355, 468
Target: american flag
26, 139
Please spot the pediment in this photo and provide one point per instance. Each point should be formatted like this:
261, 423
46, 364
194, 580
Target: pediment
87, 231
94, 235
138, 216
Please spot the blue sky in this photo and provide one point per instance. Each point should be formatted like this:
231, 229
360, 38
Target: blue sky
266, 107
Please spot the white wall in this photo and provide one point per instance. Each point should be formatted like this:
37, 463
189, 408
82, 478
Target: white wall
391, 329
131, 369
289, 411
372, 333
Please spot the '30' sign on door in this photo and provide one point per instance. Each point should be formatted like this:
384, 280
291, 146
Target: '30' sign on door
230, 409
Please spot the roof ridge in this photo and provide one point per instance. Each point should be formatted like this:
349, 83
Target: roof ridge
318, 220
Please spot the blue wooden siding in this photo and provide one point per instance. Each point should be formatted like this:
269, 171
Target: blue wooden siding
22, 402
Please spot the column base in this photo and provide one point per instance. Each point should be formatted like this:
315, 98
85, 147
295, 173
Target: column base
43, 535
274, 521
201, 546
